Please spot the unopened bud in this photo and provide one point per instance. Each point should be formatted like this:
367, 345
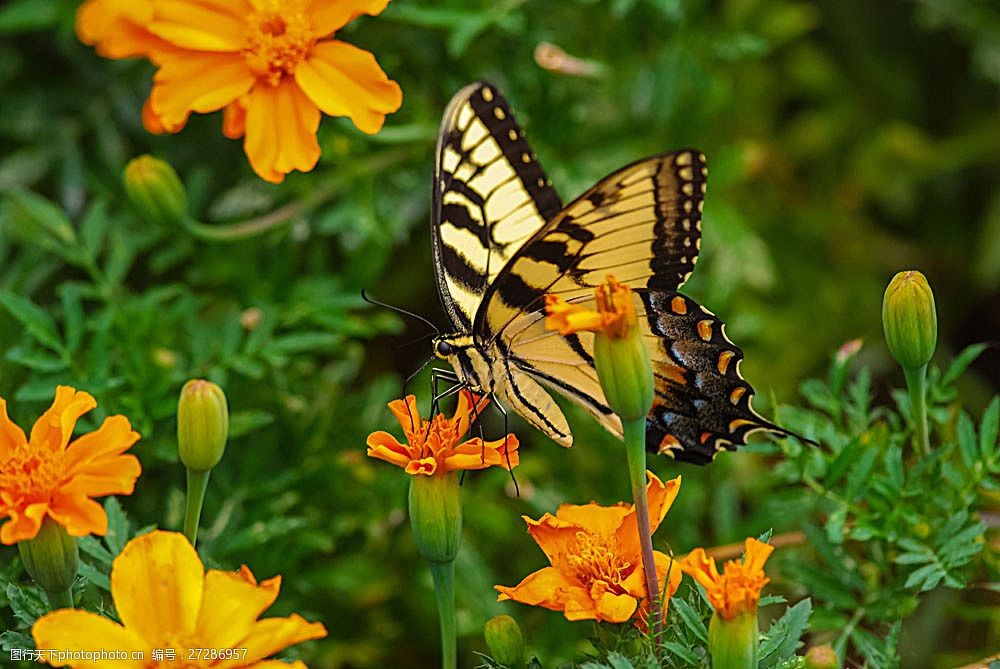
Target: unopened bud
910, 320
822, 657
202, 424
504, 639
155, 190
436, 515
733, 643
51, 558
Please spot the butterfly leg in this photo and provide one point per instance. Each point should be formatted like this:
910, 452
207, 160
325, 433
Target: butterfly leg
506, 433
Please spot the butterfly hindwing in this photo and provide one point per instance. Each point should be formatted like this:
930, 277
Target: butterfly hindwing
490, 196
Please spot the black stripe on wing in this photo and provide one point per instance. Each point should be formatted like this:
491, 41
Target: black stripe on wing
702, 404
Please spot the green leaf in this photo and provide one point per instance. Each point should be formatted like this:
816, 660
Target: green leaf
860, 472
72, 307
94, 549
11, 640
989, 430
691, 618
683, 652
37, 360
967, 440
117, 534
37, 323
22, 16
783, 636
619, 661
27, 602
961, 363
95, 576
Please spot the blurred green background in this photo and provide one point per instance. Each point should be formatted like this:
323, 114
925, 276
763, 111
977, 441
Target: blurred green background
846, 140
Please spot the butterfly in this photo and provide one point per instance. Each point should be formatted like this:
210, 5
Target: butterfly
502, 239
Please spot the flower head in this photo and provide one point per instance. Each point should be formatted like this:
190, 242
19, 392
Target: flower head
596, 565
166, 599
47, 476
615, 315
737, 589
271, 64
436, 446
909, 319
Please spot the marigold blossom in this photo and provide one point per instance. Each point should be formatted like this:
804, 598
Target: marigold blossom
436, 446
596, 564
614, 316
166, 600
47, 475
737, 589
271, 64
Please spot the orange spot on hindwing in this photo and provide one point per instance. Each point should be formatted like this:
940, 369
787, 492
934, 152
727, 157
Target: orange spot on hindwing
705, 330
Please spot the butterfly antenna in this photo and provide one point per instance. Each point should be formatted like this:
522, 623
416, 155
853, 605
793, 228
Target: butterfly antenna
399, 310
418, 370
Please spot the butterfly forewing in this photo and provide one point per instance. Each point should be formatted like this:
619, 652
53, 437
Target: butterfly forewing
490, 196
641, 223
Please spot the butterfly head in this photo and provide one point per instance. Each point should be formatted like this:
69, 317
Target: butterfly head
448, 346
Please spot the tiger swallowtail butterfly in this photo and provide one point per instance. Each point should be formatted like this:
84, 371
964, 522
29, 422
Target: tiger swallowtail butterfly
502, 239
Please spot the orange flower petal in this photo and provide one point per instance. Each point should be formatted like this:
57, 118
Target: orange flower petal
55, 426
549, 588
343, 80
23, 525
660, 497
467, 409
326, 17
234, 120
11, 436
200, 82
79, 514
114, 437
158, 572
201, 25
699, 566
756, 554
233, 604
613, 608
555, 537
597, 519
424, 467
85, 631
272, 635
281, 125
107, 476
406, 413
116, 28
390, 455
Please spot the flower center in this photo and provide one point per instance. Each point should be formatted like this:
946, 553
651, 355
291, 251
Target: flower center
29, 475
432, 437
278, 38
594, 559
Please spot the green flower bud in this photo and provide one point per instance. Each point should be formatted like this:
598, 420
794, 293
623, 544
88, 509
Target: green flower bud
155, 190
202, 424
822, 657
909, 320
625, 373
52, 558
436, 515
504, 639
733, 643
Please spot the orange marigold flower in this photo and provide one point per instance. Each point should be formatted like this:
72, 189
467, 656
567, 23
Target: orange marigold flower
274, 59
737, 589
48, 476
436, 446
166, 600
615, 313
596, 561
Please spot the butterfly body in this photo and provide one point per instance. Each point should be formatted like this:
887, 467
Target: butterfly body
502, 240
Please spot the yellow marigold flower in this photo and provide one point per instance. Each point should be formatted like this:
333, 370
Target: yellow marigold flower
436, 446
596, 564
47, 476
270, 63
737, 590
614, 317
166, 600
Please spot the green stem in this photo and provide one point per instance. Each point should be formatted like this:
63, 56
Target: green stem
444, 592
61, 599
197, 484
635, 450
916, 382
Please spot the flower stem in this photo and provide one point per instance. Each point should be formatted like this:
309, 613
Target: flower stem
61, 599
197, 484
916, 383
635, 449
444, 592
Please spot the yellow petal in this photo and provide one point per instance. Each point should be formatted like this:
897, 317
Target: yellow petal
344, 80
24, 524
281, 128
11, 436
115, 436
234, 119
660, 497
550, 589
233, 605
614, 608
556, 538
273, 635
157, 583
597, 519
115, 475
72, 630
326, 17
423, 467
199, 82
55, 426
201, 25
